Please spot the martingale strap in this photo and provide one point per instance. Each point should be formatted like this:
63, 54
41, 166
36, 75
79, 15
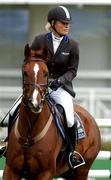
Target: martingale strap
38, 136
44, 131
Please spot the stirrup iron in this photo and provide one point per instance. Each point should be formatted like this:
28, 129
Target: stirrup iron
80, 158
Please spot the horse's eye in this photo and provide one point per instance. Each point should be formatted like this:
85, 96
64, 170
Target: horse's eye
45, 74
25, 73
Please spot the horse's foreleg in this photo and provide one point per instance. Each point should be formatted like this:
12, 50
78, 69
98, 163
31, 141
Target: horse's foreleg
9, 175
46, 175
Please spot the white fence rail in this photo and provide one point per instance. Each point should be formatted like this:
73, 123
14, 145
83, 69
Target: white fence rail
82, 74
102, 123
106, 123
96, 100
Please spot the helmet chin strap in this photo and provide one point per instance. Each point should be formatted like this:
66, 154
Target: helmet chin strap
57, 32
53, 27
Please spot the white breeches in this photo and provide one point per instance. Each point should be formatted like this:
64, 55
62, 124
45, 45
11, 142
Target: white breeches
63, 98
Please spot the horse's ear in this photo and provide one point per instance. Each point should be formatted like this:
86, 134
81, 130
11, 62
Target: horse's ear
27, 52
45, 52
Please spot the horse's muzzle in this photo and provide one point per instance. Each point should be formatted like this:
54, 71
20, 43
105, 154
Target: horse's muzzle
37, 108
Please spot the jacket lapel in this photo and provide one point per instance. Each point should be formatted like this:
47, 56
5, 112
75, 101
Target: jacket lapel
50, 43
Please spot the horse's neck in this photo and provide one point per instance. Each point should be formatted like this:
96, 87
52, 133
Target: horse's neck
35, 121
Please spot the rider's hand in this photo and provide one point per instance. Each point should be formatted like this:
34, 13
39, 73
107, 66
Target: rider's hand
54, 85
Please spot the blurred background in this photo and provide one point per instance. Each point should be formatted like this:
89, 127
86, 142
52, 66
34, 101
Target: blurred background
91, 27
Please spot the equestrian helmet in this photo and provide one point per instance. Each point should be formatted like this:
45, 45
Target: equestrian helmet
60, 13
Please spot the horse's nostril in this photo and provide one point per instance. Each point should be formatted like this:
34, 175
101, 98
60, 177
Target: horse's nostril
30, 103
30, 100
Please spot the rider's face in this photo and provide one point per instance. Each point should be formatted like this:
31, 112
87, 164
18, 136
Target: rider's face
62, 27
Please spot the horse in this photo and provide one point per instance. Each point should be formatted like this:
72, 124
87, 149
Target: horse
35, 145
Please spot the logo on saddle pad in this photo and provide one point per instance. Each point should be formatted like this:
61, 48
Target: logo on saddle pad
80, 127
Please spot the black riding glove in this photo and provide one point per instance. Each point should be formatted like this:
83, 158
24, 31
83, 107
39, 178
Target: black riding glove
54, 85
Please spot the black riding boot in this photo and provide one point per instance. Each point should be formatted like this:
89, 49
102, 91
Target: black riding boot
11, 121
73, 161
3, 150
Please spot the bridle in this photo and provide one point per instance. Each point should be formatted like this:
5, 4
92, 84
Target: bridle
28, 141
35, 85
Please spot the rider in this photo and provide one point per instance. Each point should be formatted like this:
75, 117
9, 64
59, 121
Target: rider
63, 59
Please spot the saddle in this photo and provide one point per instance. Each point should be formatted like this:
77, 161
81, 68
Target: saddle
58, 111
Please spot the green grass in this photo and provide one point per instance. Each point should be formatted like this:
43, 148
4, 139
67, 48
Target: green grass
102, 164
2, 163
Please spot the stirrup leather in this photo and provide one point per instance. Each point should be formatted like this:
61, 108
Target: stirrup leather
82, 161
